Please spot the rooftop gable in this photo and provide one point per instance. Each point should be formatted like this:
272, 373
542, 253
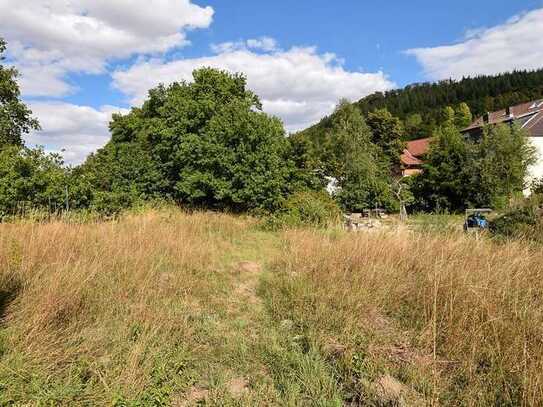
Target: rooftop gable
529, 116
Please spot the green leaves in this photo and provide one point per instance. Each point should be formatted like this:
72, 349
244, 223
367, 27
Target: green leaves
32, 177
387, 132
359, 164
359, 154
15, 118
28, 176
460, 173
203, 143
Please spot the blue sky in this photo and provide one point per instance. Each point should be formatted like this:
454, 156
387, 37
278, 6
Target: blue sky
369, 35
81, 60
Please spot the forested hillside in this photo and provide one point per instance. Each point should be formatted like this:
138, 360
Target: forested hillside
420, 105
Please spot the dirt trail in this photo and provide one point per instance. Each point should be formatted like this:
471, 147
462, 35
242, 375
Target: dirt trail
246, 282
245, 329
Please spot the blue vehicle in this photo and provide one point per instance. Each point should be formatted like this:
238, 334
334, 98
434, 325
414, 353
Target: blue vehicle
476, 219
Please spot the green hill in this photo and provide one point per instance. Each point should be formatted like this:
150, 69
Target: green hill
481, 93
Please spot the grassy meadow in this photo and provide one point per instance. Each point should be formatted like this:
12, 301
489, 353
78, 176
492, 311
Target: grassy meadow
164, 307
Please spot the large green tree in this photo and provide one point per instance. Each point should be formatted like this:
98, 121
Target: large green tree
413, 127
443, 183
463, 116
387, 132
358, 153
15, 117
447, 118
360, 166
29, 178
205, 143
500, 167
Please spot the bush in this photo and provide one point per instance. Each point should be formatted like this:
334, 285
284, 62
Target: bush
111, 203
31, 178
522, 222
308, 208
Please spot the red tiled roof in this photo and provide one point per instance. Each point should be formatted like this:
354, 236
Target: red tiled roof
408, 159
418, 148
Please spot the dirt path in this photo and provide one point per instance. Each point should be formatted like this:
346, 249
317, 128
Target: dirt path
238, 375
246, 282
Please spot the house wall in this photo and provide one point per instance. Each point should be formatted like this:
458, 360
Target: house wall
536, 171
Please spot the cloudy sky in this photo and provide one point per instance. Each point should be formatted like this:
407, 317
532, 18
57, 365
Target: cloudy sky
82, 60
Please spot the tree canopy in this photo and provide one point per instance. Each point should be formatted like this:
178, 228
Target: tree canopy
30, 177
15, 117
356, 156
461, 173
387, 132
205, 143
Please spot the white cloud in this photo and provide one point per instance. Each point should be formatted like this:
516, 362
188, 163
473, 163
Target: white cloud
44, 80
229, 46
263, 43
516, 44
79, 130
299, 85
61, 36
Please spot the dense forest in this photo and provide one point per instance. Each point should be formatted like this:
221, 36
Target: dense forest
420, 105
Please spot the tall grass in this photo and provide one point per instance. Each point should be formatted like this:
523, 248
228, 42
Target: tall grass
92, 311
152, 308
459, 320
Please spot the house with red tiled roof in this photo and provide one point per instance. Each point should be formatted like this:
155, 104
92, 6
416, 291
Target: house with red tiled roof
528, 116
411, 158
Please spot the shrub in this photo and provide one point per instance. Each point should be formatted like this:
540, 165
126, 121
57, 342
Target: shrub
110, 203
308, 208
522, 222
31, 178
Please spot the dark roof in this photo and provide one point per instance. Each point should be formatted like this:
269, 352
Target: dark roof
528, 115
535, 125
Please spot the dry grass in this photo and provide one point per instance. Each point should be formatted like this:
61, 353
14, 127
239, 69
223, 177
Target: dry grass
458, 320
127, 310
167, 308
